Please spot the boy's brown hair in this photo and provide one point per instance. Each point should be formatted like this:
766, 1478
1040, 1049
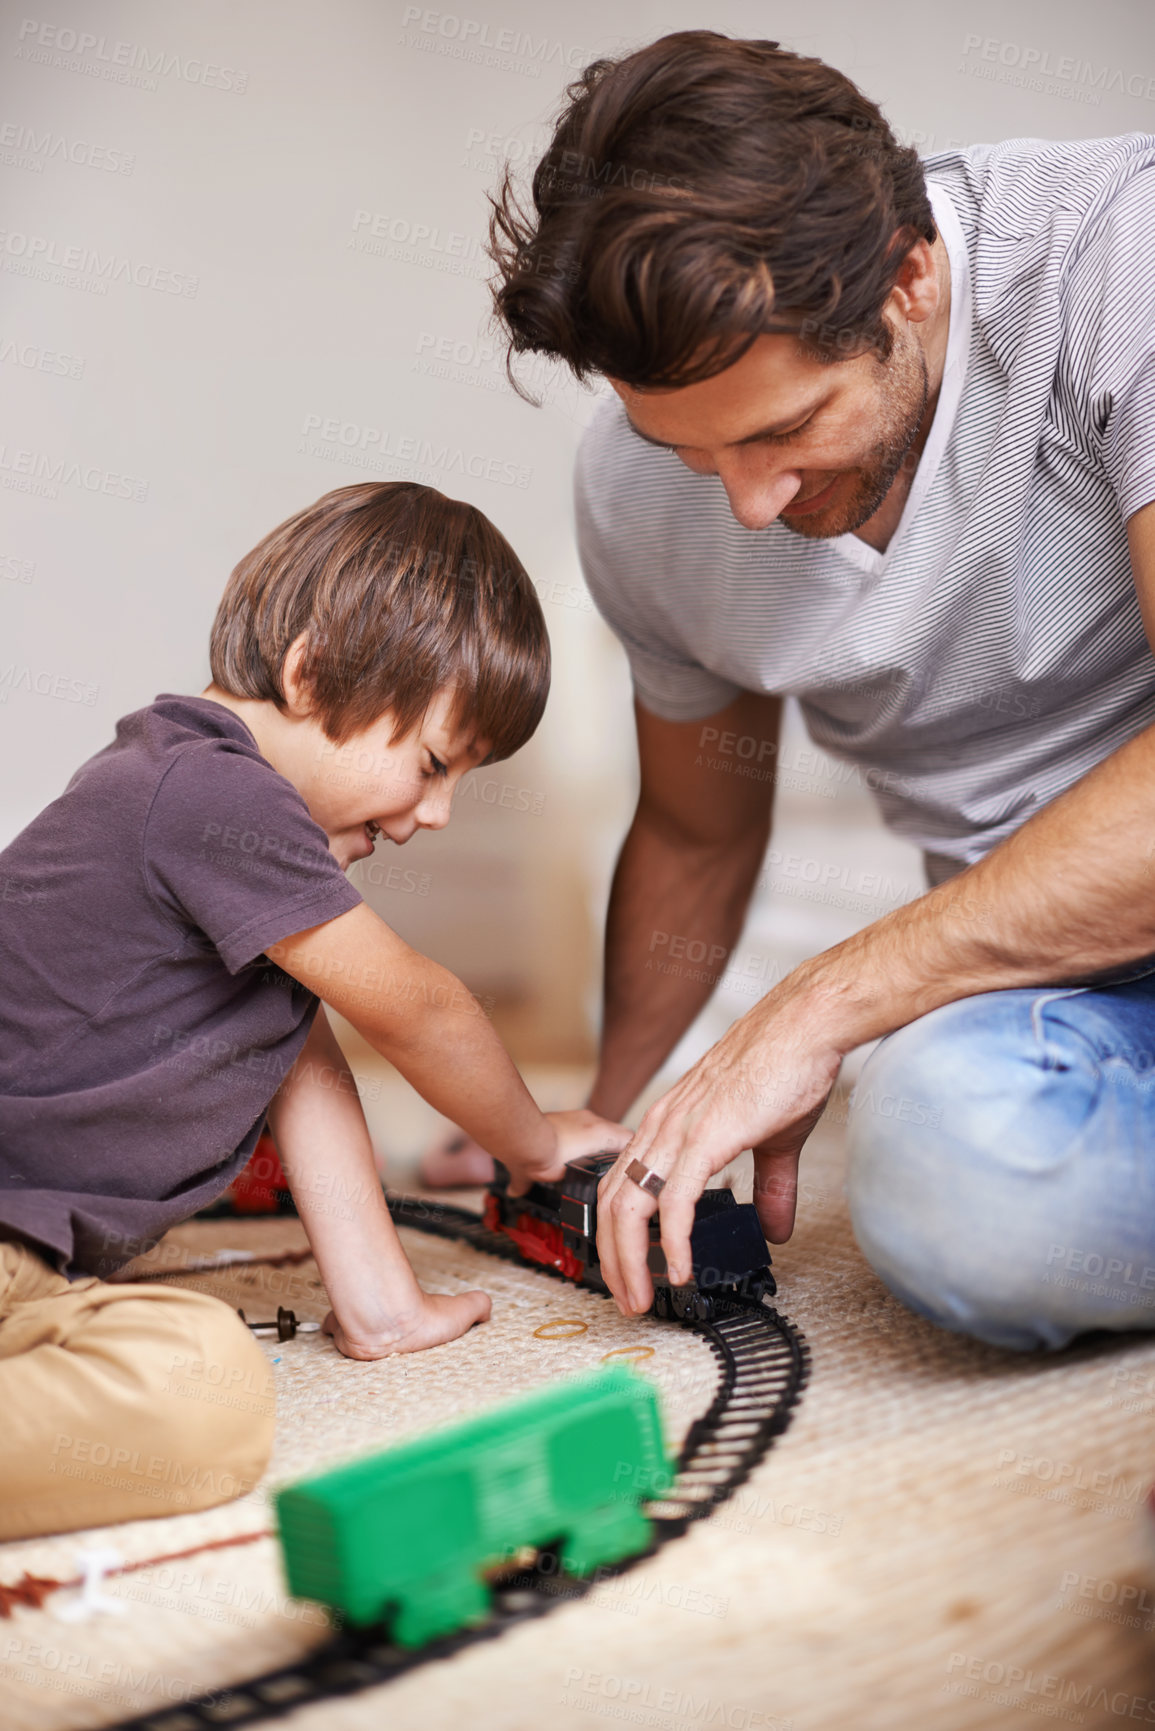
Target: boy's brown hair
400, 592
697, 194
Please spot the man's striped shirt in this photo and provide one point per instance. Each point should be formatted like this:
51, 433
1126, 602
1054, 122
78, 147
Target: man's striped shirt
995, 652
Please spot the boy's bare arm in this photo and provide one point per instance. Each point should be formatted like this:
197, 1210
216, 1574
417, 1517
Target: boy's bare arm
420, 1016
323, 1140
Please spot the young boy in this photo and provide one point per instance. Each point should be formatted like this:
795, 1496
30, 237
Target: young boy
167, 927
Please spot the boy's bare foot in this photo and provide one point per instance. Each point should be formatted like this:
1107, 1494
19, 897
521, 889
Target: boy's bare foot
455, 1163
441, 1317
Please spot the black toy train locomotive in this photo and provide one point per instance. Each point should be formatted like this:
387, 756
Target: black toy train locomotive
556, 1225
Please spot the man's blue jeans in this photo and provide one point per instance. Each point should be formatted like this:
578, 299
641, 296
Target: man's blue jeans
1002, 1162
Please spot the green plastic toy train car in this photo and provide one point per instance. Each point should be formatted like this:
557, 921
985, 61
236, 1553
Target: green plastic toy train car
402, 1538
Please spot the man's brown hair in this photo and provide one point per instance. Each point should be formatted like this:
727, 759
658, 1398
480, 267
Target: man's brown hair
401, 592
697, 194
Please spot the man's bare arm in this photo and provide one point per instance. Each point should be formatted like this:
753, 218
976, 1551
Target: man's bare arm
685, 875
1069, 895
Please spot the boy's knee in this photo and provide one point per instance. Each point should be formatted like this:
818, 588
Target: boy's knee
220, 1369
213, 1417
136, 1401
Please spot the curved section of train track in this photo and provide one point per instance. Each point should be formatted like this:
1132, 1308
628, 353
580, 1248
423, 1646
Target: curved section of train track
762, 1363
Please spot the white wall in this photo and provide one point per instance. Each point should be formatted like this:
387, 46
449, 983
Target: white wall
194, 303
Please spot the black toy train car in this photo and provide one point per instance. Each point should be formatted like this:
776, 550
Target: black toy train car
556, 1225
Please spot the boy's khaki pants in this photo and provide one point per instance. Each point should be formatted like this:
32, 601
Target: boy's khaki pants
120, 1402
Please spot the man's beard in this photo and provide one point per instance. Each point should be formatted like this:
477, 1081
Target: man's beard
904, 398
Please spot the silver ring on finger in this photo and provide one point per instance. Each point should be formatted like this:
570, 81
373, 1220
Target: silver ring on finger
651, 1182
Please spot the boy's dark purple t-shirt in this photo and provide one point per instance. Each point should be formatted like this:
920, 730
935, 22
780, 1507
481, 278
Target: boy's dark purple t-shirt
143, 1032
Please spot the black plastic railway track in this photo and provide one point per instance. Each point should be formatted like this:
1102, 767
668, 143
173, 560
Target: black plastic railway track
763, 1364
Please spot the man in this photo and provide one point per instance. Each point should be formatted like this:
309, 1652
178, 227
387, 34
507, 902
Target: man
883, 439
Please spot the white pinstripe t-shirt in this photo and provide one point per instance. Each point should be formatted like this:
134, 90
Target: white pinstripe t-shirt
995, 651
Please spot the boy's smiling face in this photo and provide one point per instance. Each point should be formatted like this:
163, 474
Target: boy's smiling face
371, 784
374, 784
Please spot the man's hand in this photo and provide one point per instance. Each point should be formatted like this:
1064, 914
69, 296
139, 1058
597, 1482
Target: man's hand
763, 1086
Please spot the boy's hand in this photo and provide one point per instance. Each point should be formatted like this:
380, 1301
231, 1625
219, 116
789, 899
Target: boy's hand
436, 1318
575, 1133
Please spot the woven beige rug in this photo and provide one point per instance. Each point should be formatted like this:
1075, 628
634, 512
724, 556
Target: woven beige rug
947, 1535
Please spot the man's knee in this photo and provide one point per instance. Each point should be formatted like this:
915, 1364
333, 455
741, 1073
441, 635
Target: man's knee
919, 1084
905, 1106
945, 1211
